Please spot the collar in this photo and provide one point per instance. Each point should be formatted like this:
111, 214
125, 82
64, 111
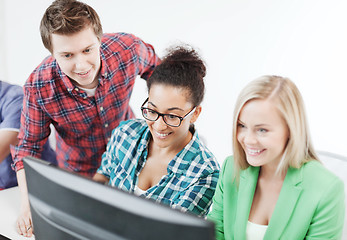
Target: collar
179, 164
290, 192
104, 69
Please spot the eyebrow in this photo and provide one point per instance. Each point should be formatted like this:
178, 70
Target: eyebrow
63, 53
257, 125
169, 109
262, 125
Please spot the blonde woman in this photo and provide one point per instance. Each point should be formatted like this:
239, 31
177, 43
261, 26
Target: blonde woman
274, 187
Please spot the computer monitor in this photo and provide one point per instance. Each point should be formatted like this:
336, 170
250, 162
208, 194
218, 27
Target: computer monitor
65, 205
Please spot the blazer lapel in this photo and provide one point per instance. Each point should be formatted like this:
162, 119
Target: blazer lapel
290, 192
248, 183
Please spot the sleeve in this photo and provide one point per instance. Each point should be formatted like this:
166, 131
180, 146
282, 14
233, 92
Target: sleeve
34, 130
147, 57
216, 215
11, 107
328, 220
109, 156
198, 196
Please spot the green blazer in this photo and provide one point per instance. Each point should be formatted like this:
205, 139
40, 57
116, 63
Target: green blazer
310, 205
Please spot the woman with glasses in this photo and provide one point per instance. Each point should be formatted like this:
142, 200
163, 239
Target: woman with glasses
162, 157
275, 187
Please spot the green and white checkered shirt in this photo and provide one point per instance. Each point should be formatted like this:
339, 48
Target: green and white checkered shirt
192, 174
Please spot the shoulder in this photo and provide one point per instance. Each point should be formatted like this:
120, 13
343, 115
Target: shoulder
119, 41
201, 154
132, 125
133, 128
195, 161
318, 181
316, 172
128, 136
322, 199
11, 99
44, 75
228, 166
228, 162
10, 91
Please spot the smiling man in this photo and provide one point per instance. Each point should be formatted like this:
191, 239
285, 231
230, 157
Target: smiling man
83, 89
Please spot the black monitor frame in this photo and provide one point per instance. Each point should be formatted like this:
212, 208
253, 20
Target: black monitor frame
65, 205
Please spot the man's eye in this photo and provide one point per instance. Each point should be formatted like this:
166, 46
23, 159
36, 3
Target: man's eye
67, 55
240, 125
87, 50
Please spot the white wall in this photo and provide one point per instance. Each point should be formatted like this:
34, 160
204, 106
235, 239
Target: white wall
305, 40
2, 41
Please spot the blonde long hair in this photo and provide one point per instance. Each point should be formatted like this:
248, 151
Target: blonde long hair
288, 100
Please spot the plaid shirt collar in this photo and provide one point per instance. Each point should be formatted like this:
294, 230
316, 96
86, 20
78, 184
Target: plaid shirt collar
178, 165
104, 70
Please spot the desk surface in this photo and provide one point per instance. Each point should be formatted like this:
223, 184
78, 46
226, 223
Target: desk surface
9, 210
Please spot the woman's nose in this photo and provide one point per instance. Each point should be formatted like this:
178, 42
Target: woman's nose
250, 138
160, 124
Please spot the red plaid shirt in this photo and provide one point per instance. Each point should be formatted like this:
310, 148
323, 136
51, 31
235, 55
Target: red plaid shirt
83, 124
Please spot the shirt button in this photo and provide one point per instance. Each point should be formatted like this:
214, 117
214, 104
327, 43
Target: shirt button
106, 125
101, 108
108, 139
76, 89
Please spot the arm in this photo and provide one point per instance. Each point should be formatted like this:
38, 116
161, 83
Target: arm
216, 215
7, 138
102, 175
33, 134
148, 59
197, 198
24, 222
98, 177
34, 129
10, 110
327, 222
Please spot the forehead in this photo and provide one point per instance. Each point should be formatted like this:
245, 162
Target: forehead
74, 42
258, 111
167, 96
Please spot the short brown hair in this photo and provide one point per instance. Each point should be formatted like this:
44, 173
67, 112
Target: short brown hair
68, 17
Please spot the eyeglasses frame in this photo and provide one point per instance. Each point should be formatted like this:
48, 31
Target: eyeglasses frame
164, 114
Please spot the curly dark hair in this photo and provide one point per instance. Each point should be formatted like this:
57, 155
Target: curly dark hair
68, 17
181, 67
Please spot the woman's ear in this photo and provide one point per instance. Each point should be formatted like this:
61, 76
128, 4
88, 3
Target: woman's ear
196, 114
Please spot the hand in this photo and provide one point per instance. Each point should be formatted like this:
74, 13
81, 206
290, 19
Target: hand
24, 223
100, 178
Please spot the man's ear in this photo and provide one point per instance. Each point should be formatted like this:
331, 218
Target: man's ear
196, 114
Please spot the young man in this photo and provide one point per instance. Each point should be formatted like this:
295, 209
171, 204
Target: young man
11, 99
83, 89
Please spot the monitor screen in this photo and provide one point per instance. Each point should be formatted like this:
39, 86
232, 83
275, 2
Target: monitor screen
65, 205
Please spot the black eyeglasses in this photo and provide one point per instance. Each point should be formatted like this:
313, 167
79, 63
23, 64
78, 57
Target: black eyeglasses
169, 119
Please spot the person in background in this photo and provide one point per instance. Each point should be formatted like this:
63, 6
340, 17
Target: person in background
162, 157
11, 99
83, 89
274, 186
